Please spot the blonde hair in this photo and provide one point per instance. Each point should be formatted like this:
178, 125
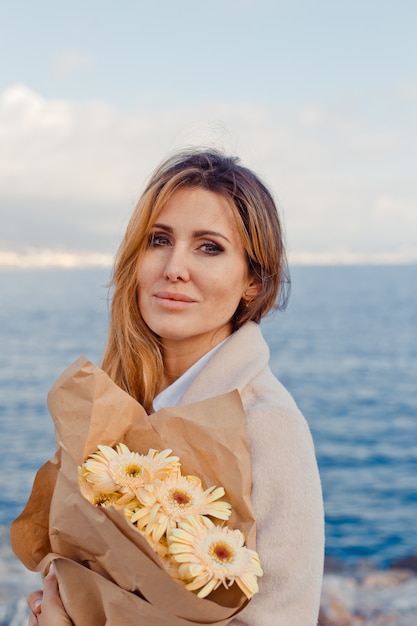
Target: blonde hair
133, 357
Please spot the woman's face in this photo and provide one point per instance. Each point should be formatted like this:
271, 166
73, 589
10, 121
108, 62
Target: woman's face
193, 273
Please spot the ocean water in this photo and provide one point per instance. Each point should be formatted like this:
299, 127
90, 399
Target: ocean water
346, 348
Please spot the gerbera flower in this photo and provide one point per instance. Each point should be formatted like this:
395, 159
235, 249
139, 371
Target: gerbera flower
175, 499
119, 469
96, 497
160, 547
130, 508
211, 555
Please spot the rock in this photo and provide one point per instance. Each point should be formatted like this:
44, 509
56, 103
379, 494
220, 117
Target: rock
332, 565
370, 598
408, 562
338, 600
335, 614
387, 578
397, 599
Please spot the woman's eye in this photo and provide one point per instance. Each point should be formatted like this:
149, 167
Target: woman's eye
211, 248
157, 241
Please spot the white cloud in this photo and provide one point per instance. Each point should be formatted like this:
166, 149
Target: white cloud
343, 178
52, 258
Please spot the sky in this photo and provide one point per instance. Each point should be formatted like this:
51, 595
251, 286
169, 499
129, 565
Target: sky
319, 97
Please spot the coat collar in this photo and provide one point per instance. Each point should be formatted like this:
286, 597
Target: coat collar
244, 355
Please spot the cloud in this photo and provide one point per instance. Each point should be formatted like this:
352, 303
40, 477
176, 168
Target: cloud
72, 171
68, 63
51, 258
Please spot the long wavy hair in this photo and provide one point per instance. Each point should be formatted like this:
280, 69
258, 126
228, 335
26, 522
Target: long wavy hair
133, 356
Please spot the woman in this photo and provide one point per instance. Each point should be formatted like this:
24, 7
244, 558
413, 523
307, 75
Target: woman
201, 263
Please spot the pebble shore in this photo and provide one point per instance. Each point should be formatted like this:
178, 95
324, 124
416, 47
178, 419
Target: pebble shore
352, 596
365, 596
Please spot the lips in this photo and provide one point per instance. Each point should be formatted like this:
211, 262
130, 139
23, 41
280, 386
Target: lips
175, 297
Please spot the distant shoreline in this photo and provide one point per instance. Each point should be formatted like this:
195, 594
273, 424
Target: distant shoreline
36, 258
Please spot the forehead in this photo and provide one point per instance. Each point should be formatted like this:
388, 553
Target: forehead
198, 206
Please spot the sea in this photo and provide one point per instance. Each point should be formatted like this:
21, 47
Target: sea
346, 349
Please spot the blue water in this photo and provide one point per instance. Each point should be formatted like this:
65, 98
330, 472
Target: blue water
346, 348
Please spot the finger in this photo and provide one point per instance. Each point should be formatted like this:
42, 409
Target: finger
34, 601
51, 597
50, 589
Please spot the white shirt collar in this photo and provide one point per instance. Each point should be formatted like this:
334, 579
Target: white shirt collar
171, 395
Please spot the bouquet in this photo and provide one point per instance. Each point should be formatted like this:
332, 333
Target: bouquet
130, 559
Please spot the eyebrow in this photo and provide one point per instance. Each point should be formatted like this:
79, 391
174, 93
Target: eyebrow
196, 233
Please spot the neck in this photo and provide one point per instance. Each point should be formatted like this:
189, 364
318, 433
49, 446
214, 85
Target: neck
180, 356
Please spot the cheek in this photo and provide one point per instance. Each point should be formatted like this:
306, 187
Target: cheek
145, 273
142, 289
229, 292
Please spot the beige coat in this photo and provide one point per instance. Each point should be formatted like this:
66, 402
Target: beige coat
286, 492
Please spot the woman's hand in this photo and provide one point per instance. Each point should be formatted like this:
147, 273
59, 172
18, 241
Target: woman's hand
46, 608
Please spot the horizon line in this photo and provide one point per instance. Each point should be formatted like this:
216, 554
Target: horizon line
44, 258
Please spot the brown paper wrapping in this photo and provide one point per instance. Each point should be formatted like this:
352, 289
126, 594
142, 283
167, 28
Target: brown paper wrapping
107, 572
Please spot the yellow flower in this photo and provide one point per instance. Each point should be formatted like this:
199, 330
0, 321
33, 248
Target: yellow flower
111, 470
95, 497
160, 547
130, 508
175, 499
211, 555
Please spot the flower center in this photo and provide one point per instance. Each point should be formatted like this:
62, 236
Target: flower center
179, 497
101, 500
221, 552
133, 470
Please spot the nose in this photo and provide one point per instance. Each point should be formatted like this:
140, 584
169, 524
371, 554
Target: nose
177, 265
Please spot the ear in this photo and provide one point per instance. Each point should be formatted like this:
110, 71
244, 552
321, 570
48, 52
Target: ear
253, 288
